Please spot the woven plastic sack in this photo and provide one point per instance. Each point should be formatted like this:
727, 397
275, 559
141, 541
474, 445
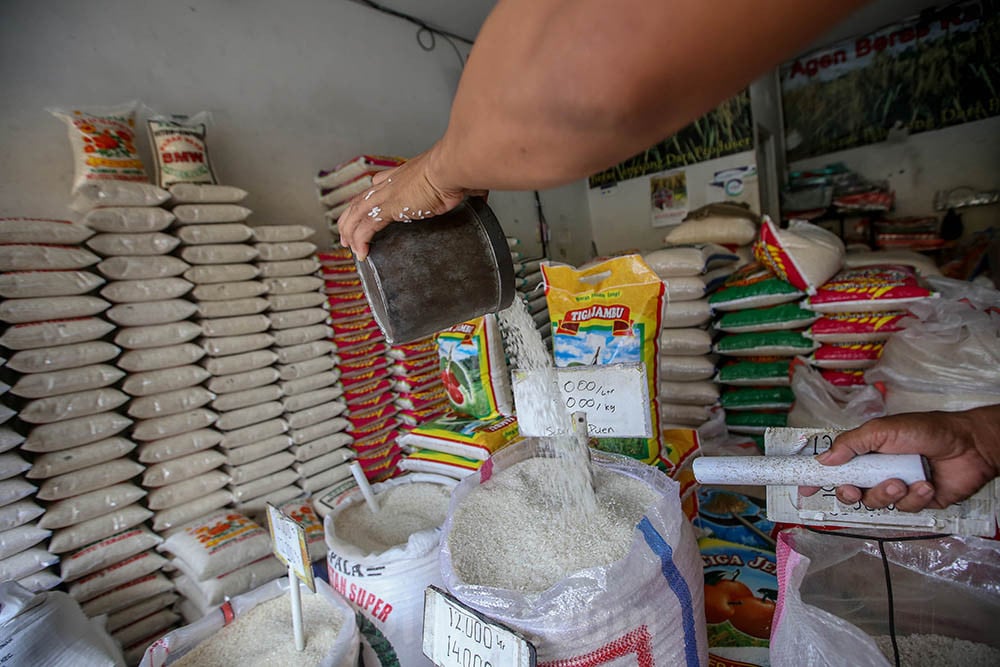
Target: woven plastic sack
646, 608
832, 595
391, 583
174, 645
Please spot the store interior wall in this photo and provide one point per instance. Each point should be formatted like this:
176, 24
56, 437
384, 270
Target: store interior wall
299, 86
292, 87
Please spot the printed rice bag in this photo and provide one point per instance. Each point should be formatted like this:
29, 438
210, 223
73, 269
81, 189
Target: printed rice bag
103, 144
772, 318
805, 255
351, 169
180, 150
869, 289
753, 286
846, 356
751, 372
775, 343
855, 327
459, 435
741, 588
430, 461
473, 368
609, 313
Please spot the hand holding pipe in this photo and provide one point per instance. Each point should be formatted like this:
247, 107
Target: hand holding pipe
863, 471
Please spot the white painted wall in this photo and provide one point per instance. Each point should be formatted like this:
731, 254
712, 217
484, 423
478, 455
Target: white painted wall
621, 217
293, 86
918, 165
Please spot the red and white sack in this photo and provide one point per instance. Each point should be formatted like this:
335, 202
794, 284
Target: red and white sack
393, 600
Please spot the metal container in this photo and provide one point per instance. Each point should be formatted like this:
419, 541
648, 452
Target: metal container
426, 276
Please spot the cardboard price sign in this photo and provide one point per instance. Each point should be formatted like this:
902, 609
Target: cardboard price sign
288, 541
615, 398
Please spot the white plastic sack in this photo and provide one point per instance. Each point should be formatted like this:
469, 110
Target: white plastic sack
394, 600
649, 603
174, 645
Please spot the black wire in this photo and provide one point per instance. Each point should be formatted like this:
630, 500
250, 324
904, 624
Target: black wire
888, 595
543, 225
423, 29
885, 568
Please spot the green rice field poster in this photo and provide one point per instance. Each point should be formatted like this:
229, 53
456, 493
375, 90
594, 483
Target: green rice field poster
935, 70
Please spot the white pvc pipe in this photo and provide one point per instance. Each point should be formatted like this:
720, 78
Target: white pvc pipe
864, 471
366, 489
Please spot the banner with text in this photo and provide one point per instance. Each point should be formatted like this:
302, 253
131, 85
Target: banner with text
932, 71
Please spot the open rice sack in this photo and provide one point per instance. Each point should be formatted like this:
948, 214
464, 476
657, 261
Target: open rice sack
527, 571
609, 313
233, 632
382, 562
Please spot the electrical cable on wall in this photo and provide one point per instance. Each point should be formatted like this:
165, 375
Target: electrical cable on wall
426, 34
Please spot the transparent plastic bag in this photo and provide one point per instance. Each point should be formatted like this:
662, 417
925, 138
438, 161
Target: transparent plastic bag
833, 596
50, 629
820, 404
947, 357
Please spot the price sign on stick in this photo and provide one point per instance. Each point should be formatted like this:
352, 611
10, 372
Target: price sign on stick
288, 541
615, 398
457, 636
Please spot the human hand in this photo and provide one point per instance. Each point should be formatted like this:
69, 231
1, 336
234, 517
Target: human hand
408, 193
948, 440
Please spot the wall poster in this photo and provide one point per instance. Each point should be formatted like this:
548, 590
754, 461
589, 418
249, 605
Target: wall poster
668, 198
931, 71
725, 130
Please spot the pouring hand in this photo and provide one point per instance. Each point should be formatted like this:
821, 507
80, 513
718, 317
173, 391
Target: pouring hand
408, 193
963, 449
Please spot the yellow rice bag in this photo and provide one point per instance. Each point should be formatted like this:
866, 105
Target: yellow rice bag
609, 313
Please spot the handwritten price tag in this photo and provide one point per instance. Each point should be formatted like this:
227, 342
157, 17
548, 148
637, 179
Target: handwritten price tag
458, 636
614, 397
288, 541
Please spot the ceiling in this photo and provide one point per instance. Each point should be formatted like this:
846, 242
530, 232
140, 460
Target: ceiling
464, 17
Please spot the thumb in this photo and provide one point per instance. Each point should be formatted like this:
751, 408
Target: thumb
849, 444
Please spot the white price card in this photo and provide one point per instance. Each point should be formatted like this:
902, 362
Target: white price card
288, 541
615, 398
458, 636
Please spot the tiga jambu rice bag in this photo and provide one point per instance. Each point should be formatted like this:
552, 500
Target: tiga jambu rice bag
609, 313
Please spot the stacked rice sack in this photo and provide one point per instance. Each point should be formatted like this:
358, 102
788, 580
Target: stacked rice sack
238, 364
338, 185
687, 367
365, 369
528, 284
763, 322
113, 569
219, 555
470, 362
311, 404
420, 392
57, 381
